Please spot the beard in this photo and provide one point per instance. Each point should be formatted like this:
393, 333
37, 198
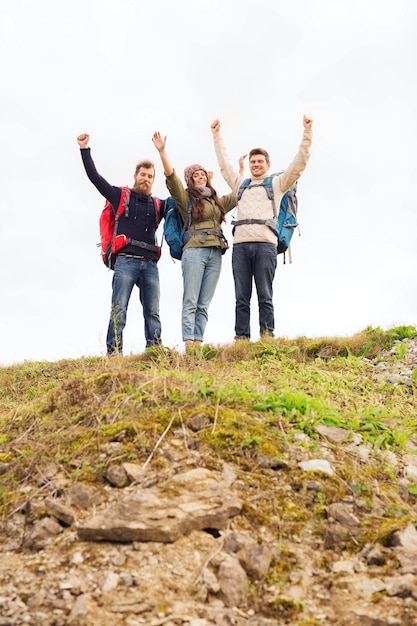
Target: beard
142, 187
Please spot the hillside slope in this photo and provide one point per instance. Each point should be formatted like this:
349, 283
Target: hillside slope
258, 483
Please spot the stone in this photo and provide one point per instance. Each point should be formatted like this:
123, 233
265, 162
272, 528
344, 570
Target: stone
41, 534
317, 465
343, 514
198, 422
406, 538
233, 582
255, 559
84, 496
333, 433
193, 500
117, 476
133, 471
60, 511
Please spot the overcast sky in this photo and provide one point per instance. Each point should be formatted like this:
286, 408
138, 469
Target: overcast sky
119, 70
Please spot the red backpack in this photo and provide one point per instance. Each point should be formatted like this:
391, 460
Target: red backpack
111, 242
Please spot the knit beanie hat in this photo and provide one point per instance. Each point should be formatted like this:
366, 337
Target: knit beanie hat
189, 171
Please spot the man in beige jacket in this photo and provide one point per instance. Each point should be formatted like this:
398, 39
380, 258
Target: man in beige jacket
254, 256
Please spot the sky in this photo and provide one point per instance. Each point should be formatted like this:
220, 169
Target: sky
120, 70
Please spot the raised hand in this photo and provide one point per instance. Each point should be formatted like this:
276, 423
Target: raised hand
242, 164
215, 127
307, 121
83, 140
158, 141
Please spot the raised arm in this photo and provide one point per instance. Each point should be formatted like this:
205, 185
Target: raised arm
298, 164
111, 193
230, 175
160, 142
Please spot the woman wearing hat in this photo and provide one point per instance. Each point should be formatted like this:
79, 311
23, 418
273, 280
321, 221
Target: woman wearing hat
202, 254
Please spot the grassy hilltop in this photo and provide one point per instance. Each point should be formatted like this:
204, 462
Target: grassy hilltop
263, 400
257, 396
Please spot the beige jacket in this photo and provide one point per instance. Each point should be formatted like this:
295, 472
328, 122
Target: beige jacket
254, 203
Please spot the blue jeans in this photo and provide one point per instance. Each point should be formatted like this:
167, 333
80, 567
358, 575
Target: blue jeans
200, 272
129, 272
258, 261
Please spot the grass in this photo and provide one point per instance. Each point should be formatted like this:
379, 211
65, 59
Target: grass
266, 398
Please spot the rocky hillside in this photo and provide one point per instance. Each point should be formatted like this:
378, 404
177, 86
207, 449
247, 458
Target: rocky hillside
247, 485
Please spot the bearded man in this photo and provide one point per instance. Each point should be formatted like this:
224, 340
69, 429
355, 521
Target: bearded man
136, 262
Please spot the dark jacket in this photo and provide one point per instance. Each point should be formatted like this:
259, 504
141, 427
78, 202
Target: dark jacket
140, 223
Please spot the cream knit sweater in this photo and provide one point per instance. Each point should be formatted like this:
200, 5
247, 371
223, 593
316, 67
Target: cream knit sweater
254, 203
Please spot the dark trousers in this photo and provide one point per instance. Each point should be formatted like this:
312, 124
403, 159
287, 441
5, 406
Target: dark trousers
254, 261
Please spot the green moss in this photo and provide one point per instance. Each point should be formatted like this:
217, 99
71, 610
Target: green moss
284, 609
281, 566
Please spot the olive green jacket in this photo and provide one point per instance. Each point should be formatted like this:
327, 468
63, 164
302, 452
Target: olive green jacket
209, 221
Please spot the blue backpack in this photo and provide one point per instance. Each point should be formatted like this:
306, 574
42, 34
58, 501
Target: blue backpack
175, 230
285, 223
177, 233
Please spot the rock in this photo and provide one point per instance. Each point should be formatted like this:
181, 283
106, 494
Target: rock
117, 476
233, 582
314, 485
333, 433
375, 556
41, 533
368, 586
343, 514
336, 535
407, 560
363, 453
194, 500
255, 559
47, 473
402, 586
84, 496
130, 606
234, 542
80, 610
410, 472
198, 422
228, 475
210, 580
406, 538
60, 511
346, 566
317, 465
133, 471
110, 582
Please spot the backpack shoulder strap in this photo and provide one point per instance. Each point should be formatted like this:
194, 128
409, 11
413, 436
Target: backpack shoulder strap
267, 184
243, 185
187, 223
124, 202
157, 205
